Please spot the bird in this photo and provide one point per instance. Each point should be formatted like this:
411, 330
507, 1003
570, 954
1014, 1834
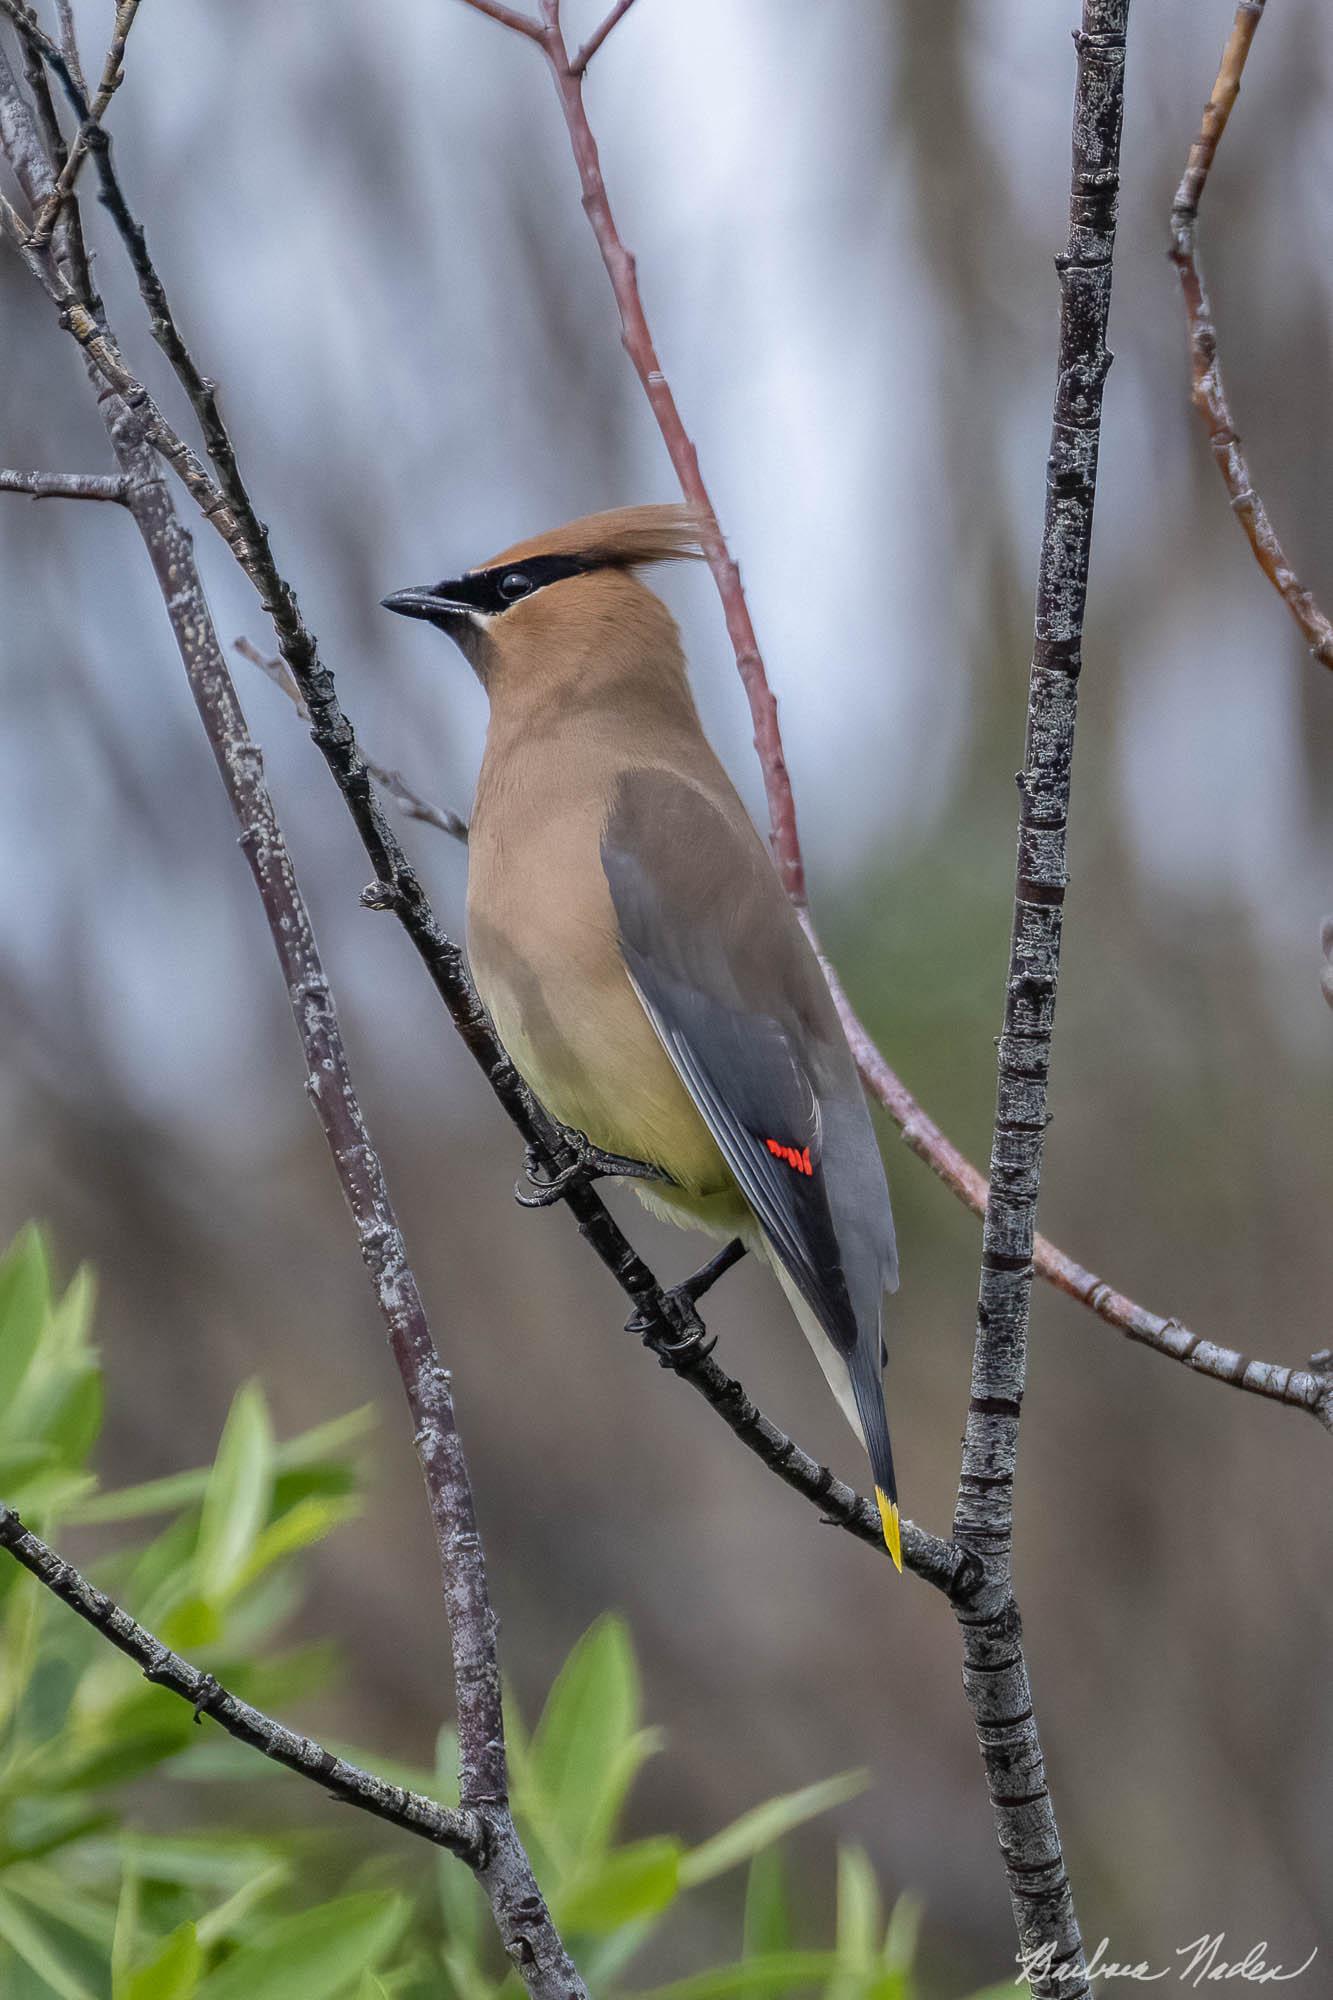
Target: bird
640, 960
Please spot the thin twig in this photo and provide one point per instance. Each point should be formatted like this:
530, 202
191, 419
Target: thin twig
599, 35
508, 17
409, 802
67, 485
640, 347
461, 1832
1208, 389
995, 1676
69, 40
112, 77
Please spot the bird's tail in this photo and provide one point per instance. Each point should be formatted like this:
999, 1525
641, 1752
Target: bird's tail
868, 1393
860, 1394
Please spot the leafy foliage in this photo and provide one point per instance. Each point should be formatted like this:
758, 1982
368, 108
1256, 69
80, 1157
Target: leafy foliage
95, 1907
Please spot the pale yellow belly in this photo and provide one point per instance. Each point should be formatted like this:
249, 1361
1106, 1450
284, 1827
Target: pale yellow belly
586, 1048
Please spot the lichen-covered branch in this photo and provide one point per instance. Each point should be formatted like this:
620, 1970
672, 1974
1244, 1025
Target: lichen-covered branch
460, 1832
994, 1670
66, 485
1207, 386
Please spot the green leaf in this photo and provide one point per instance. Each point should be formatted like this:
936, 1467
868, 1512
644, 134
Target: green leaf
174, 1973
773, 1975
578, 1748
767, 1923
236, 1499
25, 1296
126, 1934
764, 1824
312, 1956
630, 1884
859, 1914
30, 1934
326, 1442
228, 1917
302, 1525
71, 1415
900, 1938
201, 1860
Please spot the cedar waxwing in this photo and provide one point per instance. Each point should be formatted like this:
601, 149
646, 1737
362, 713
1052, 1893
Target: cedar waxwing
636, 951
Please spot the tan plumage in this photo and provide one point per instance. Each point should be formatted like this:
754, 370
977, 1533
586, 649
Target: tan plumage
630, 939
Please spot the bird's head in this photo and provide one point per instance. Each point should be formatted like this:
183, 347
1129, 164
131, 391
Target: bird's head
566, 596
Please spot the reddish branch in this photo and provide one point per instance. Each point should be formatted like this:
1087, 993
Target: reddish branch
1208, 389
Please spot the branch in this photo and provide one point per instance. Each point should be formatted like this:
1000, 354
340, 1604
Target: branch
89, 132
995, 1675
599, 35
67, 485
508, 17
460, 1832
1207, 387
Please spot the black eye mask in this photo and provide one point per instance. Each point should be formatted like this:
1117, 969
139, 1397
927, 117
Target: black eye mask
494, 590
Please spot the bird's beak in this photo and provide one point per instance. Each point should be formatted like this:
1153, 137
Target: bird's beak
425, 603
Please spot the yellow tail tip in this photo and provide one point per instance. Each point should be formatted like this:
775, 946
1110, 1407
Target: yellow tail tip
888, 1514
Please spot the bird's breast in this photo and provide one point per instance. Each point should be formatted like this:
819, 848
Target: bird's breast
545, 953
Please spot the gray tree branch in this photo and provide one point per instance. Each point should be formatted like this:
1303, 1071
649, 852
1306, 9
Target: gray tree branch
460, 1832
66, 485
995, 1675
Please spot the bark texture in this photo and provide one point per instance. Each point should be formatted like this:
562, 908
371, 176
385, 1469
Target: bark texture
995, 1674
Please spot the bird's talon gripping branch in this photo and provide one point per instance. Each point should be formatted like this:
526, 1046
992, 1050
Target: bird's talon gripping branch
696, 1342
589, 1163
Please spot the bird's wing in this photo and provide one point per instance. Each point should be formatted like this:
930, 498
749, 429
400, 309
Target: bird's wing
732, 989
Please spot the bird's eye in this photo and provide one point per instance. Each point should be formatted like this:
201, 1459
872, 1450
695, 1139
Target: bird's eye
514, 585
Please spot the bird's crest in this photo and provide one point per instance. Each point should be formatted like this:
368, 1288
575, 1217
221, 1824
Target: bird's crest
622, 538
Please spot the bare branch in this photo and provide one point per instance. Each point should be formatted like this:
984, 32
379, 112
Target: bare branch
409, 802
461, 1832
66, 485
1208, 389
508, 17
112, 77
599, 35
995, 1676
69, 40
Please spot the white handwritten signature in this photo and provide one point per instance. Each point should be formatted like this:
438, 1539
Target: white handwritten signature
1204, 1962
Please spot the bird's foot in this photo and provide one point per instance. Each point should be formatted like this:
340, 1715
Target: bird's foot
589, 1163
698, 1342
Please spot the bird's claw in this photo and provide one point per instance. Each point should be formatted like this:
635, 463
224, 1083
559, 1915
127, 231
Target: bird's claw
589, 1163
697, 1344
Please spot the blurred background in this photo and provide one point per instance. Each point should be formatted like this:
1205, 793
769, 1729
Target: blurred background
845, 218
